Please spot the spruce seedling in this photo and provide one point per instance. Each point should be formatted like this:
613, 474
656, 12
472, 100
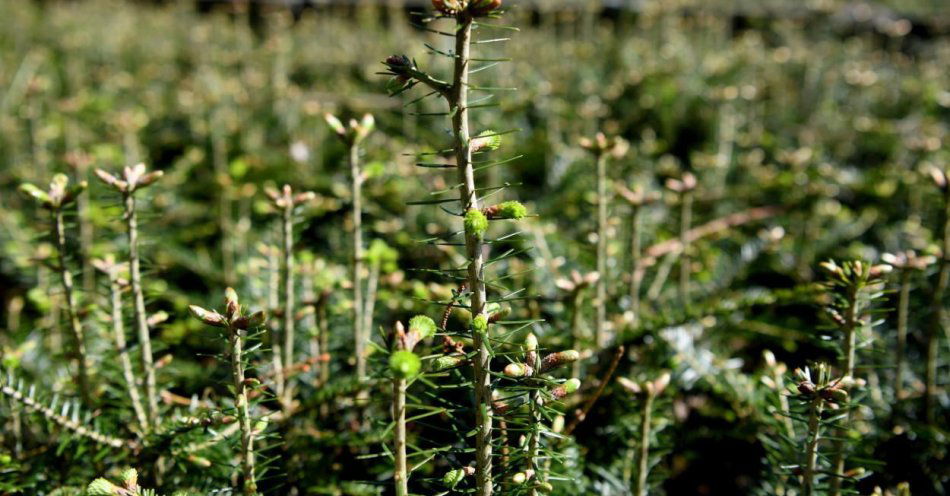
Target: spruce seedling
906, 263
285, 201
603, 148
236, 324
133, 179
352, 136
60, 196
646, 392
817, 394
406, 75
853, 286
404, 364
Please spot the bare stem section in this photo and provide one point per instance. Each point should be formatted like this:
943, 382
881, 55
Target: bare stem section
141, 317
75, 325
287, 229
602, 201
399, 417
643, 468
357, 192
111, 270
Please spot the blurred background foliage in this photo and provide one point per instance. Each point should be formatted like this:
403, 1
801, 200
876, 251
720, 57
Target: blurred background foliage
830, 111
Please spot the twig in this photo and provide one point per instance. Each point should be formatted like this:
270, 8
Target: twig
581, 414
68, 424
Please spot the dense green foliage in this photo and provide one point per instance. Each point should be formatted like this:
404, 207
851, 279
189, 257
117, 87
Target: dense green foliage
753, 146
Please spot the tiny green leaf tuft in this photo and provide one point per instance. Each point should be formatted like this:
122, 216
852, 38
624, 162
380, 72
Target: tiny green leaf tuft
404, 364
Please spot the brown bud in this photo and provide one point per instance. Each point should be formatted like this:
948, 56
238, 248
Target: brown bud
231, 302
555, 360
806, 388
209, 317
483, 7
111, 181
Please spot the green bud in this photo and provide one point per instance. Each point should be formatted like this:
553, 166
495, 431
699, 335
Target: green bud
572, 385
231, 302
480, 324
260, 425
130, 478
404, 364
545, 487
335, 124
476, 223
516, 370
531, 342
423, 326
512, 210
365, 126
446, 362
37, 194
453, 477
102, 487
486, 140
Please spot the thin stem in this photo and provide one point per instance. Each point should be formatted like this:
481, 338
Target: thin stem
372, 287
240, 400
849, 329
118, 330
458, 102
358, 331
600, 330
75, 427
288, 266
273, 300
79, 351
903, 305
686, 218
643, 468
635, 276
938, 320
141, 318
401, 476
581, 414
811, 449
